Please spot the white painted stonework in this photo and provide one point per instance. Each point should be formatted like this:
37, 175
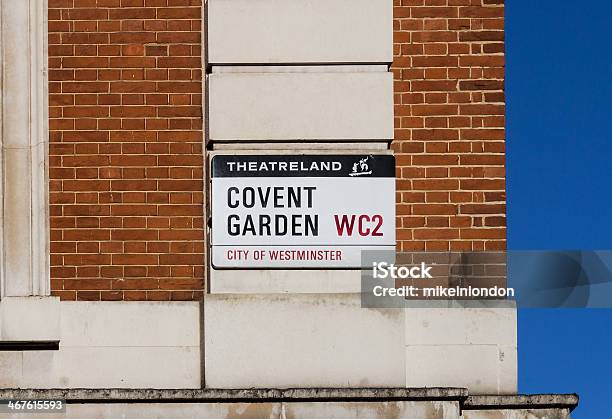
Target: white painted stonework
484, 369
300, 31
328, 410
303, 281
332, 106
114, 345
372, 147
267, 340
318, 340
277, 410
24, 319
306, 340
474, 348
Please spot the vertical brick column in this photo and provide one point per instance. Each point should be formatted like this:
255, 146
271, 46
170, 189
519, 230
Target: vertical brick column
126, 149
449, 124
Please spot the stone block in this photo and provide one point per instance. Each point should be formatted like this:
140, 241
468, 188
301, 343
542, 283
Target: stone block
306, 340
333, 106
300, 31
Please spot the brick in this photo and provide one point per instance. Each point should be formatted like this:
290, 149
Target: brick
179, 13
483, 208
434, 12
481, 61
132, 37
481, 85
132, 13
481, 36
481, 12
100, 88
126, 160
178, 37
449, 107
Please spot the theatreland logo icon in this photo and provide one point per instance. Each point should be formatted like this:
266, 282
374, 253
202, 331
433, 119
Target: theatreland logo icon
361, 168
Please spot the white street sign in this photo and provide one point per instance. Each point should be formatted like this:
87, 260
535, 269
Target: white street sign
301, 211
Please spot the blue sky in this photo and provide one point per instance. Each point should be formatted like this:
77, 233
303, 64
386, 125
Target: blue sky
559, 156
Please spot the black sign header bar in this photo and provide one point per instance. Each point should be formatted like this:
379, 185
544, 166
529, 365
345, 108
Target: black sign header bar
303, 165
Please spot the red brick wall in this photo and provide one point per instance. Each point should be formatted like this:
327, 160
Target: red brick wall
449, 119
126, 149
126, 157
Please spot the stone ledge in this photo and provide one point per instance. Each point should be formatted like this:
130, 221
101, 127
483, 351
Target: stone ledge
237, 395
530, 401
294, 395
